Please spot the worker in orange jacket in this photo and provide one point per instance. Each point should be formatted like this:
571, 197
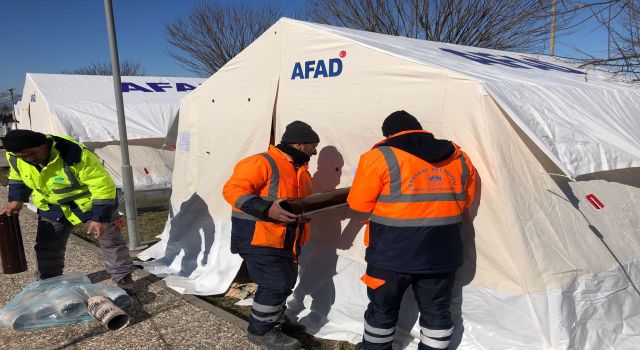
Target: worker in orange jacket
415, 187
268, 237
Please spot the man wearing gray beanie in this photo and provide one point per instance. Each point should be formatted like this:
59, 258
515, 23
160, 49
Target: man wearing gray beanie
299, 133
268, 237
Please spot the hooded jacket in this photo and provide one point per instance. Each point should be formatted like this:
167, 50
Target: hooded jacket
258, 181
416, 188
73, 184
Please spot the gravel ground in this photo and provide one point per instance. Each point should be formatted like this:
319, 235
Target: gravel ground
160, 318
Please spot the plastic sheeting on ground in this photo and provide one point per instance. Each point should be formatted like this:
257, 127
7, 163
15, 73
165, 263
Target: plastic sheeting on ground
57, 301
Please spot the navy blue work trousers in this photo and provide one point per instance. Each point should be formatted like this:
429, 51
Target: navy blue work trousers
433, 296
275, 276
51, 245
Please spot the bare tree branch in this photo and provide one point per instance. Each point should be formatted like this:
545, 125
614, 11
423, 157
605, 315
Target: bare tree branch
499, 24
620, 18
211, 34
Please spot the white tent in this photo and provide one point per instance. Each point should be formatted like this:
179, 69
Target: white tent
544, 269
83, 106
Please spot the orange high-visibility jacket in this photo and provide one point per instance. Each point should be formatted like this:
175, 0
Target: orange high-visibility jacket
269, 176
402, 190
416, 188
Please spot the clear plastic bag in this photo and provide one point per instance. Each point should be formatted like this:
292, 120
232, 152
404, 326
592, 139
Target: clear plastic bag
57, 301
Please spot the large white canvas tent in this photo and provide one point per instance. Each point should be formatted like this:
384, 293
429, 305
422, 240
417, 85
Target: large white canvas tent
83, 106
544, 269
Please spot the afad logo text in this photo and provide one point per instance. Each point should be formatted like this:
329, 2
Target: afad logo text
157, 87
318, 68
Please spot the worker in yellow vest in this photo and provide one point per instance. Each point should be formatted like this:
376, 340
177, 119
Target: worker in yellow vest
68, 185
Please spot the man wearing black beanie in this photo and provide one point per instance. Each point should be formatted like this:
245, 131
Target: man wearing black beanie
69, 185
399, 121
416, 188
265, 235
17, 140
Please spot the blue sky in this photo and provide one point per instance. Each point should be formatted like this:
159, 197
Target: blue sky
45, 36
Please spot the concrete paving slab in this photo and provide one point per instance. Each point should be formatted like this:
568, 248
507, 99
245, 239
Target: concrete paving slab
160, 318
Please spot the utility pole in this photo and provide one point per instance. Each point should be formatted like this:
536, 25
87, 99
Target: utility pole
12, 109
6, 125
609, 35
552, 40
127, 172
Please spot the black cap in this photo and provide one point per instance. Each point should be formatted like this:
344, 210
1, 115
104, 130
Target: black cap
399, 121
299, 132
17, 140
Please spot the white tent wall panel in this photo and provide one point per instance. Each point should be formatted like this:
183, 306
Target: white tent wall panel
184, 179
151, 167
228, 118
233, 119
450, 105
520, 230
560, 96
83, 106
620, 188
570, 283
535, 275
594, 312
36, 115
504, 258
468, 121
556, 233
22, 114
586, 128
347, 111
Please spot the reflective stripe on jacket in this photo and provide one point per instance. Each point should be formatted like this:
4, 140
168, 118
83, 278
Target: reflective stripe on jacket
258, 181
422, 194
73, 181
415, 206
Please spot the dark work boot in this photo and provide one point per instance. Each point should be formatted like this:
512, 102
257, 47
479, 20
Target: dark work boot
290, 327
126, 283
275, 340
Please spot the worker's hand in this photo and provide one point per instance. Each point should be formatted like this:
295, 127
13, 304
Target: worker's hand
97, 228
277, 213
11, 208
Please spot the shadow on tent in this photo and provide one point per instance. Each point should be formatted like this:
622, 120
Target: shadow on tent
319, 259
192, 231
627, 177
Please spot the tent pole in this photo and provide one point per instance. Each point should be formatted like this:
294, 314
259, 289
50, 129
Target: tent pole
127, 172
